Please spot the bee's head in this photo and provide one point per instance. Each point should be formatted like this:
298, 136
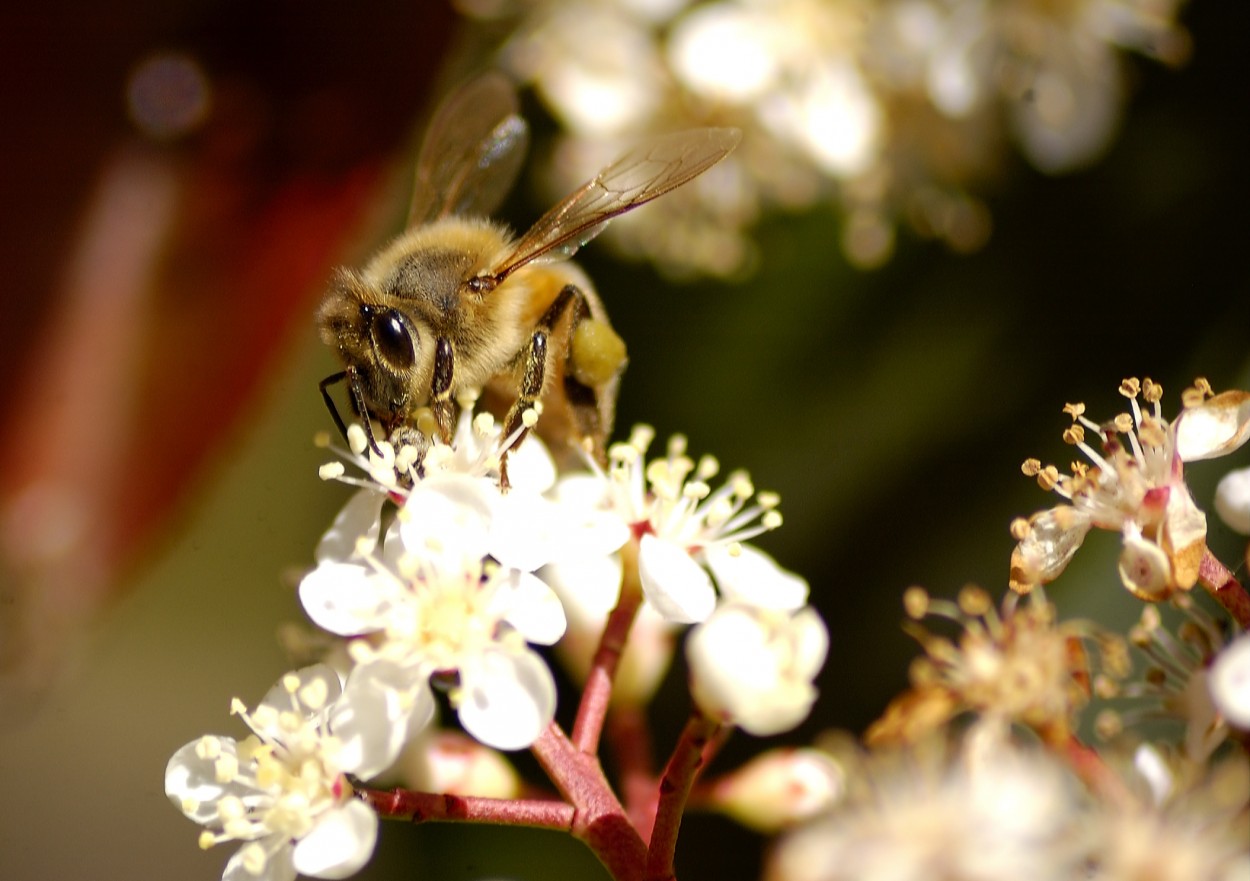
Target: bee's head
380, 344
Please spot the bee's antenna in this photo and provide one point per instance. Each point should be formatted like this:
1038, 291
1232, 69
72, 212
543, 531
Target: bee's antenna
358, 403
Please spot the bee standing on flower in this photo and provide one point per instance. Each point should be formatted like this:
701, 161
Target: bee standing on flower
455, 306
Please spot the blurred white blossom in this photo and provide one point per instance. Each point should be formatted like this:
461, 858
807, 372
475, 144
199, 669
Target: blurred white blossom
895, 111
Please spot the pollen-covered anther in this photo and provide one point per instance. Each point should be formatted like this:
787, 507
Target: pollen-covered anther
974, 601
916, 602
1074, 434
1076, 411
1130, 387
331, 471
1152, 392
529, 417
357, 441
1031, 467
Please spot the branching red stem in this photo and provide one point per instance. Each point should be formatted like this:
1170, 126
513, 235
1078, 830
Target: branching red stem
598, 818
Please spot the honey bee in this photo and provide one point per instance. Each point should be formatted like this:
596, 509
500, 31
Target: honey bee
455, 306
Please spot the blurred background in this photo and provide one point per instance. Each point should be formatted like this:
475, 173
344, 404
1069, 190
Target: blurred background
939, 229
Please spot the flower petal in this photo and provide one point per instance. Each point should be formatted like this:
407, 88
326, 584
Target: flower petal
534, 609
506, 699
449, 513
383, 706
678, 587
1184, 536
589, 587
749, 575
1214, 428
346, 598
340, 844
1053, 538
360, 518
525, 531
191, 777
275, 862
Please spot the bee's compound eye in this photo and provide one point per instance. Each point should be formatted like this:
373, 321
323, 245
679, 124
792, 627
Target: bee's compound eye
392, 337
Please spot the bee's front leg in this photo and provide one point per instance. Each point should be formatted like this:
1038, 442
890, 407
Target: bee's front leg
441, 404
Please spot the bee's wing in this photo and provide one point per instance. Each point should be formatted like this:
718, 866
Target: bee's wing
471, 153
644, 173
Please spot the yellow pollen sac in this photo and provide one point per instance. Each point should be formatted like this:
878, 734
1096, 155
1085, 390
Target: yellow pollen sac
207, 840
1076, 411
1074, 434
1020, 529
768, 500
771, 520
1031, 467
483, 423
1123, 422
1152, 391
1130, 387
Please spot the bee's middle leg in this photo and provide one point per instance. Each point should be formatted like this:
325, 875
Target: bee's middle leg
535, 373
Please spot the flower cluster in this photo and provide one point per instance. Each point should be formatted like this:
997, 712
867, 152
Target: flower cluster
436, 577
893, 110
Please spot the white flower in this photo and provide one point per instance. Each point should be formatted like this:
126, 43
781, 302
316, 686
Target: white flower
992, 812
1232, 500
1230, 682
434, 602
1135, 486
685, 528
283, 790
754, 667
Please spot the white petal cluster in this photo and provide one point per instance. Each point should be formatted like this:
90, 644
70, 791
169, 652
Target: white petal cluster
441, 599
841, 100
282, 792
989, 813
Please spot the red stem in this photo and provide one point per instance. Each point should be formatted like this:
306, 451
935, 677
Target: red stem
597, 694
630, 740
598, 818
427, 807
1219, 582
1093, 771
679, 776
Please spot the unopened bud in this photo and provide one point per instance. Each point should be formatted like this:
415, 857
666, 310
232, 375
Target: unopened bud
780, 788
